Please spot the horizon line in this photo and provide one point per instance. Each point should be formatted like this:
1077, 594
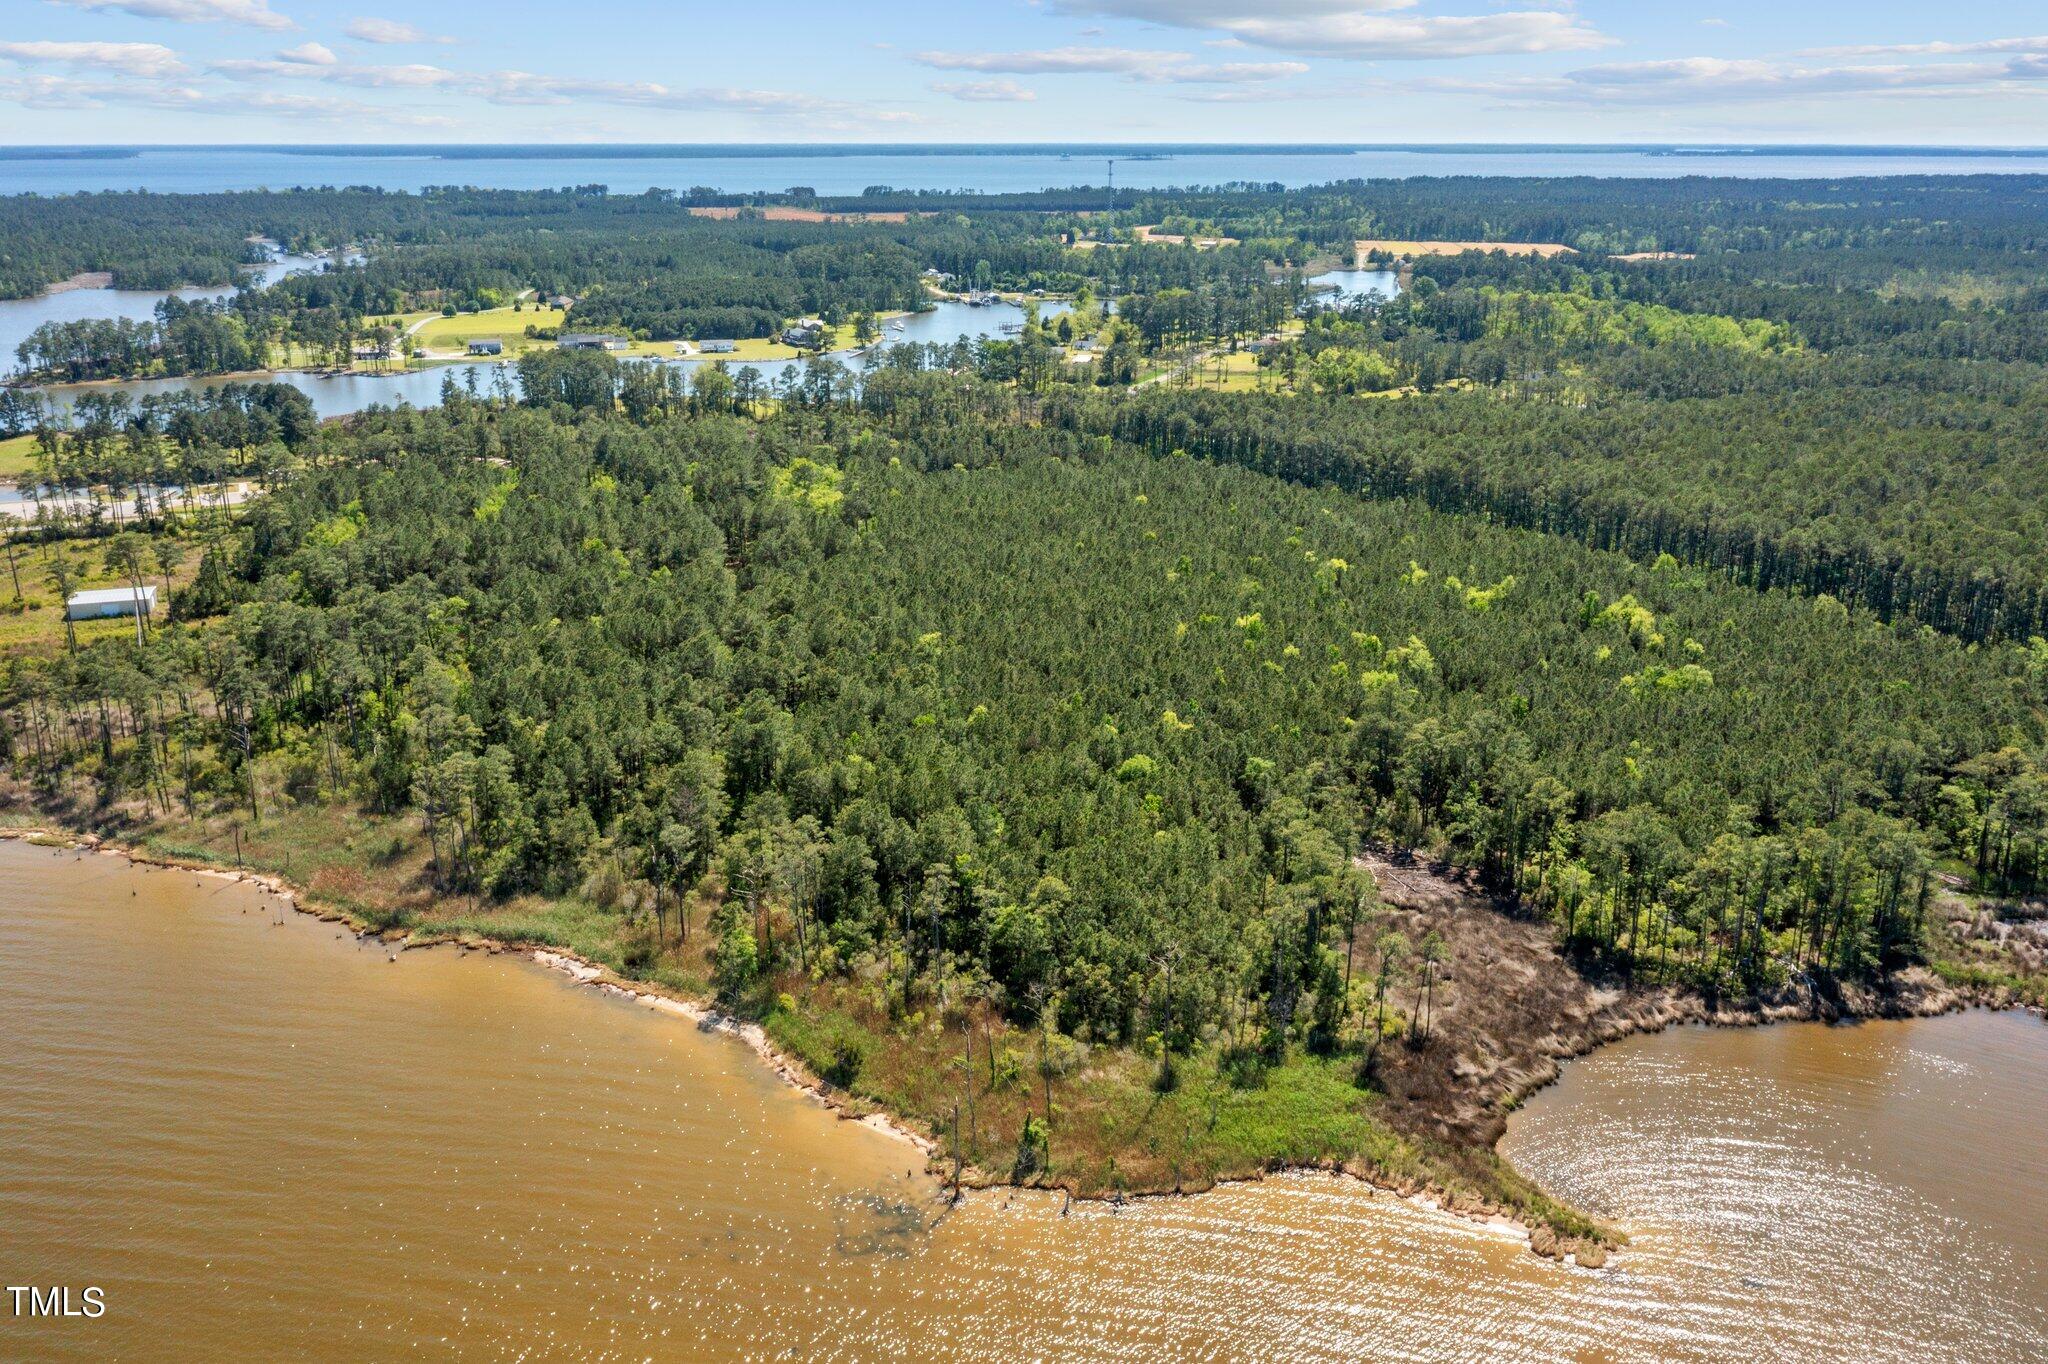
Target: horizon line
1751, 144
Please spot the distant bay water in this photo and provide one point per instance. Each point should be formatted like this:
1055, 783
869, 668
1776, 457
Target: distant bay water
849, 169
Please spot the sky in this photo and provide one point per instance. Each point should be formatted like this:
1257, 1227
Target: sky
1336, 71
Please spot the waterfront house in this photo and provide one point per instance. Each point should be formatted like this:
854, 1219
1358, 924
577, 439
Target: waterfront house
806, 333
592, 341
98, 602
718, 347
487, 345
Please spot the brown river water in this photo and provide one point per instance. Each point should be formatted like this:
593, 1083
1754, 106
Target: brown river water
262, 1139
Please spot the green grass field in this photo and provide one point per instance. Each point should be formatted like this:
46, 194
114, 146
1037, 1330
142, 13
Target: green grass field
753, 350
437, 333
449, 337
17, 458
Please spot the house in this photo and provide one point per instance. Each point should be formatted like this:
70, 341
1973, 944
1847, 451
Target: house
110, 601
369, 350
806, 333
718, 347
562, 301
487, 345
592, 341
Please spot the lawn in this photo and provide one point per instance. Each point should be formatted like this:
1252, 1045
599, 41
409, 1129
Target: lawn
444, 334
1237, 372
16, 458
449, 337
752, 350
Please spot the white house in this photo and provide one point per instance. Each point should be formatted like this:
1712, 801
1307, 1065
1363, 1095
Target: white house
109, 601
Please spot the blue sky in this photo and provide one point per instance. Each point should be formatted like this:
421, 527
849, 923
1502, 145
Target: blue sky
1022, 70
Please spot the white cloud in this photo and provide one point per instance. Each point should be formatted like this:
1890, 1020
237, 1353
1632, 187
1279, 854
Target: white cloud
1225, 73
1051, 61
413, 76
254, 13
271, 103
1362, 29
1219, 13
1174, 67
391, 31
136, 59
1417, 37
525, 87
986, 92
44, 92
2035, 44
409, 76
309, 54
50, 92
1261, 94
531, 88
1715, 80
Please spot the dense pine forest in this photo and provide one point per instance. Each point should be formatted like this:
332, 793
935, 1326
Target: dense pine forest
978, 695
1693, 604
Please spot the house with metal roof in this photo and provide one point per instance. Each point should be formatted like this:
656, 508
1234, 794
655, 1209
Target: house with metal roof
591, 341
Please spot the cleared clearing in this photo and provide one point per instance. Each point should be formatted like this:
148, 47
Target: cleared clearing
783, 213
1411, 249
1154, 237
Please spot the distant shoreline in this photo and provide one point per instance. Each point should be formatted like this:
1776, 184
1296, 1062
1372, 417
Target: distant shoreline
69, 153
626, 151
